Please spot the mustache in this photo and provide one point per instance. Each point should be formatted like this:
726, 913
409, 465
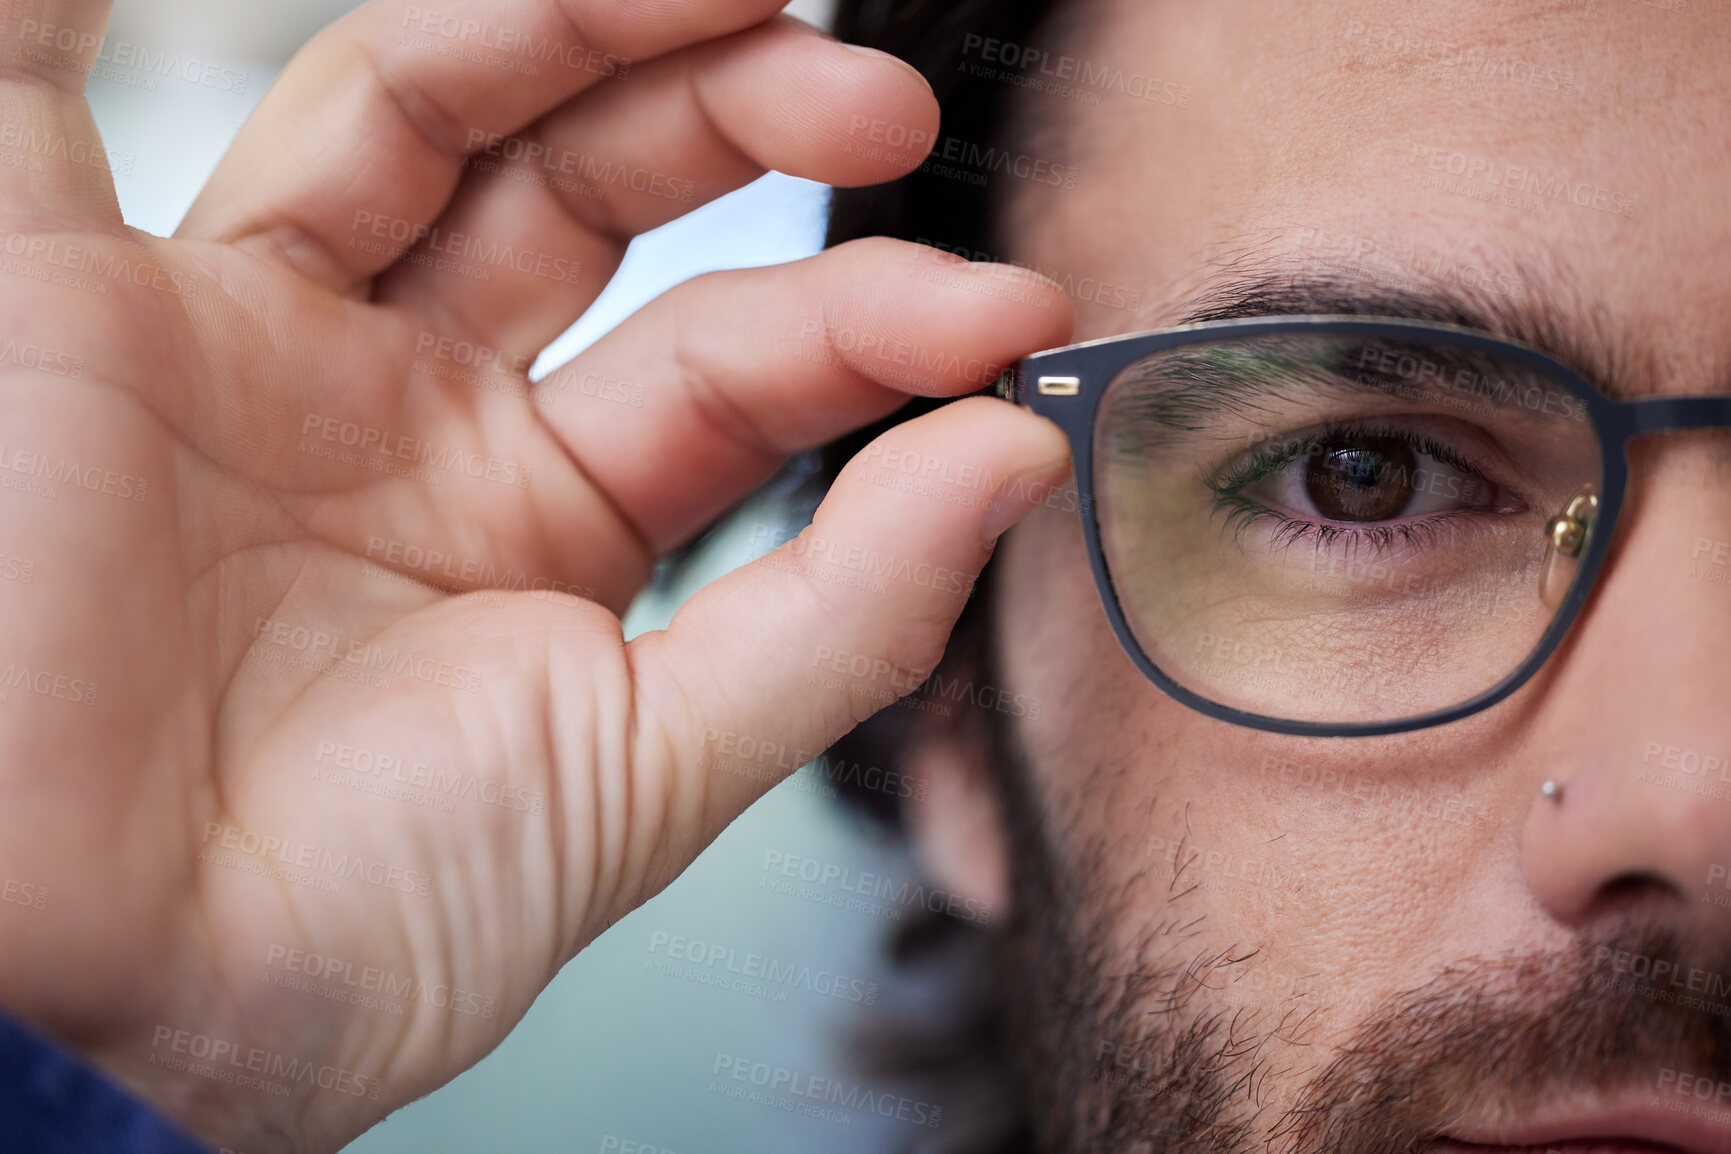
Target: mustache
1626, 1011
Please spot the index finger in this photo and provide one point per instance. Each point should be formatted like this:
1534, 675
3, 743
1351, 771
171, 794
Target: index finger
378, 113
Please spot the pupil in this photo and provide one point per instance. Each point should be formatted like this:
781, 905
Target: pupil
1361, 478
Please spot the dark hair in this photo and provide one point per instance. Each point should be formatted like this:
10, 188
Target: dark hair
934, 36
960, 216
941, 1029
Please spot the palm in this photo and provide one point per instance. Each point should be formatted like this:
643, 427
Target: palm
363, 716
231, 724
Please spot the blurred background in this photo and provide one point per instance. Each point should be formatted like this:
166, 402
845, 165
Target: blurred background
619, 1053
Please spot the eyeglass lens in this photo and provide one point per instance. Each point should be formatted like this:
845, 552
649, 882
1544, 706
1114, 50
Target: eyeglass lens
1342, 529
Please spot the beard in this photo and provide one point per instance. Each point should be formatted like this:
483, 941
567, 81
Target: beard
1140, 1054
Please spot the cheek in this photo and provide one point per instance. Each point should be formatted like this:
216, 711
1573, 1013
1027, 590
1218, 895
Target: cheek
1327, 860
1048, 619
1116, 762
1100, 717
1055, 643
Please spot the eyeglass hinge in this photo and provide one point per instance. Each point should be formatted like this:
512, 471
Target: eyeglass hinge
1009, 386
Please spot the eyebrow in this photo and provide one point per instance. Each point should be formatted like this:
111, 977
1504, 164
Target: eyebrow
1193, 390
1544, 317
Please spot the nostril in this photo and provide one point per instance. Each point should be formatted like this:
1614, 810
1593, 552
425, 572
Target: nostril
1635, 888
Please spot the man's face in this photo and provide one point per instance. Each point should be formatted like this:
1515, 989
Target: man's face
1239, 923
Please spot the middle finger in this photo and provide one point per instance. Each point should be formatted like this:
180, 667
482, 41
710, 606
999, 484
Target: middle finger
542, 218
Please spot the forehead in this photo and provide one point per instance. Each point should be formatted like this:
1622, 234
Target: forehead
1573, 157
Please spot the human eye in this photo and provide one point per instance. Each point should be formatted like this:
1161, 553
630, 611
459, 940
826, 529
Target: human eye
1379, 485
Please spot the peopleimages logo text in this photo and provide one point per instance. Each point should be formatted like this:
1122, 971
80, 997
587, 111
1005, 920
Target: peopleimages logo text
982, 159
894, 893
1073, 70
831, 1091
384, 443
225, 1059
320, 859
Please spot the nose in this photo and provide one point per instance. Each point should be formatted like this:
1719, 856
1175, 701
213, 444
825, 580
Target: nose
1636, 720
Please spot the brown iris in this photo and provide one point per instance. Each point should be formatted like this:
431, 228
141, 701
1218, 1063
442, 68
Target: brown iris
1361, 478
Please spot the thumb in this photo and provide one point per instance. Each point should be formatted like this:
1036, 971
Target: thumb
767, 667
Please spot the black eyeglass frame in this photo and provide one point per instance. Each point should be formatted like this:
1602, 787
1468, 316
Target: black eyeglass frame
1066, 385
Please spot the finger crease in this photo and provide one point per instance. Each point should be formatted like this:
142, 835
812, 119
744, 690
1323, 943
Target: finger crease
429, 119
716, 408
638, 536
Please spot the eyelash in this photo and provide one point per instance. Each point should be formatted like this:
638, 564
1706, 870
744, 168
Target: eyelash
1228, 483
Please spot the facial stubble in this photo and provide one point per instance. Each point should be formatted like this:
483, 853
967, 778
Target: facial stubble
1136, 1050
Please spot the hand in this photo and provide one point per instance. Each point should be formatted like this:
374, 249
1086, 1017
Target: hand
316, 691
